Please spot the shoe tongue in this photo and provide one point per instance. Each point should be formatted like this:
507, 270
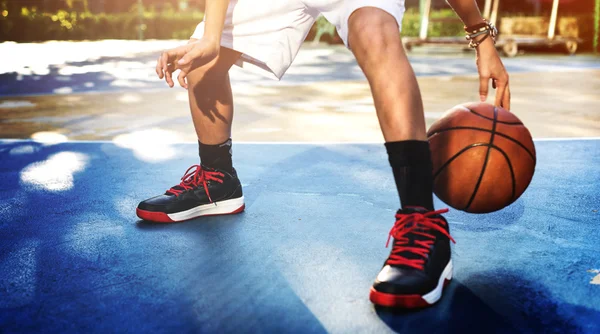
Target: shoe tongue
411, 236
412, 210
178, 187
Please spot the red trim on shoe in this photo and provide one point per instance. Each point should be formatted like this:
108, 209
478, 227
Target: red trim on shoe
400, 301
161, 217
403, 301
240, 209
157, 217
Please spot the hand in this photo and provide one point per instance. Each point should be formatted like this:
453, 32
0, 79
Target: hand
490, 66
185, 58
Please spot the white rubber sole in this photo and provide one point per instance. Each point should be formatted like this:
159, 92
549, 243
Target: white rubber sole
435, 295
217, 208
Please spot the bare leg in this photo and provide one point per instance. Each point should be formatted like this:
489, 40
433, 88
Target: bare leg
211, 100
211, 104
412, 264
375, 41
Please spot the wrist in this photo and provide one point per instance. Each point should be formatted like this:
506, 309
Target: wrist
486, 46
481, 33
474, 24
213, 40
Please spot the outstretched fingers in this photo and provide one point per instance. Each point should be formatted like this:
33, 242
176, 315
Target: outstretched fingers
506, 98
484, 83
502, 93
159, 66
182, 79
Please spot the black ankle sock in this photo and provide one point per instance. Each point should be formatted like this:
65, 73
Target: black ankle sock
412, 167
216, 156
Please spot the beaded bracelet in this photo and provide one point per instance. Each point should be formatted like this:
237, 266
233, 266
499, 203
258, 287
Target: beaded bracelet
480, 29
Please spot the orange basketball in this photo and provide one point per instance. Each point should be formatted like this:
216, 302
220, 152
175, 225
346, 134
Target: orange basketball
483, 157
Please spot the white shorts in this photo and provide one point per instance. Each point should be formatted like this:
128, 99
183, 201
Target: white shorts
269, 33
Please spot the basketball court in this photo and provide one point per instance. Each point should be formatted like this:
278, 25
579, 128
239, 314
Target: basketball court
320, 200
300, 259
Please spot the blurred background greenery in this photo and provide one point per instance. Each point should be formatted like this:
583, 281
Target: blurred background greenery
41, 20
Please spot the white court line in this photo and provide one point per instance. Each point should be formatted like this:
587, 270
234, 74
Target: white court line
284, 142
567, 139
379, 142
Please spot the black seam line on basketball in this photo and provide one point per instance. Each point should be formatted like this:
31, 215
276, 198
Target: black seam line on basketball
439, 171
512, 173
485, 162
486, 130
491, 119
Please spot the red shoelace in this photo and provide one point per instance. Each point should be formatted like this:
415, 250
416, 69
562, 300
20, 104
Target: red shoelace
422, 224
194, 177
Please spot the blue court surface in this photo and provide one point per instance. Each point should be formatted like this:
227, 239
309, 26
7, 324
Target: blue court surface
75, 258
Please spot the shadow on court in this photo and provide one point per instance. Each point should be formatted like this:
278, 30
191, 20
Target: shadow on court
520, 306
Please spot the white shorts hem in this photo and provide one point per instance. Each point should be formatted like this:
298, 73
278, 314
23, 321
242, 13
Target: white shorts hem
269, 37
391, 7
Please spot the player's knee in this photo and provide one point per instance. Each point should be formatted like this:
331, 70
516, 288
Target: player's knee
214, 71
203, 75
373, 29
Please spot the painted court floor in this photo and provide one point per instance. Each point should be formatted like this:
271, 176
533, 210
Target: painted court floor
75, 258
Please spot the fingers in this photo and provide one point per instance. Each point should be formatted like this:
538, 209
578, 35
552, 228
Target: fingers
182, 80
483, 87
169, 75
159, 67
164, 62
190, 56
164, 69
501, 90
506, 98
167, 64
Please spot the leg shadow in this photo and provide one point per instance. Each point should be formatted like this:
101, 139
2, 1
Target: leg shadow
459, 311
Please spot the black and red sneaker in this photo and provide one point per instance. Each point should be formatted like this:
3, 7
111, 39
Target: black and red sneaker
202, 192
420, 264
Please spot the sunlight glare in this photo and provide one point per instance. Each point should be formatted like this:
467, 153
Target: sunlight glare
152, 145
47, 137
55, 173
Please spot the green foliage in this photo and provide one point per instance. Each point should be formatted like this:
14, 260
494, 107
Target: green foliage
30, 25
411, 23
325, 31
23, 24
321, 28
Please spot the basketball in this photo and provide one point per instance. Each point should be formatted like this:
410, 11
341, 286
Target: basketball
483, 157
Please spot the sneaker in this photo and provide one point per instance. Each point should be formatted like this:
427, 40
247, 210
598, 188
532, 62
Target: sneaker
420, 263
202, 192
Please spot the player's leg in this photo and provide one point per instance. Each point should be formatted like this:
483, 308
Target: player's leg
415, 272
375, 40
212, 187
265, 36
211, 105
